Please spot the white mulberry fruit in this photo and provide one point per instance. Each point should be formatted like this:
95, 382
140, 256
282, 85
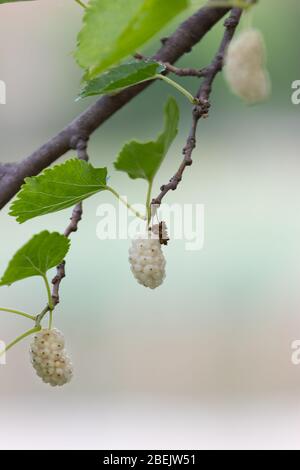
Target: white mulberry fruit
147, 261
50, 359
245, 69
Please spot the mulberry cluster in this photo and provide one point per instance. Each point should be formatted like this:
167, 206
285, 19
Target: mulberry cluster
50, 359
245, 69
147, 260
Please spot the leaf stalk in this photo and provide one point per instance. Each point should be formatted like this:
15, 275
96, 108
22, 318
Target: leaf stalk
83, 5
20, 338
17, 312
178, 87
123, 201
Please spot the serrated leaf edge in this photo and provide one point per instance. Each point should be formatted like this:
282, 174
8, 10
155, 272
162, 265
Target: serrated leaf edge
2, 283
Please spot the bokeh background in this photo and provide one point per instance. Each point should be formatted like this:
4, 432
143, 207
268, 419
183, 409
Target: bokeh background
205, 360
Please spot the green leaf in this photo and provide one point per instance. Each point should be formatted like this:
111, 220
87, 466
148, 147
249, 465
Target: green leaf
13, 1
41, 253
58, 188
121, 77
113, 30
142, 160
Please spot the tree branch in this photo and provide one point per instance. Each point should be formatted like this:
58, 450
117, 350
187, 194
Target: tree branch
181, 72
201, 110
185, 37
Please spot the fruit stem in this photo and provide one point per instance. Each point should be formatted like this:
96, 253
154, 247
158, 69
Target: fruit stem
136, 213
148, 202
17, 312
40, 317
178, 87
50, 306
50, 319
81, 4
20, 338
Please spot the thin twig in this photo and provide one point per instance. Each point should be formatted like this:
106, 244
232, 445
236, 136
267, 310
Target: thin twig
56, 281
76, 134
181, 72
40, 317
201, 110
81, 147
184, 38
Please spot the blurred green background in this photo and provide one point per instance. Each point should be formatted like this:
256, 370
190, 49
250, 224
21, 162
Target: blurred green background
205, 360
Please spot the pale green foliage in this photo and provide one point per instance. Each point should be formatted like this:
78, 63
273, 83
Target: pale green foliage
115, 29
13, 1
58, 188
41, 253
142, 160
121, 77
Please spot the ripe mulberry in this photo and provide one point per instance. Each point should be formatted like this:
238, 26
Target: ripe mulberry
245, 69
147, 261
50, 359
